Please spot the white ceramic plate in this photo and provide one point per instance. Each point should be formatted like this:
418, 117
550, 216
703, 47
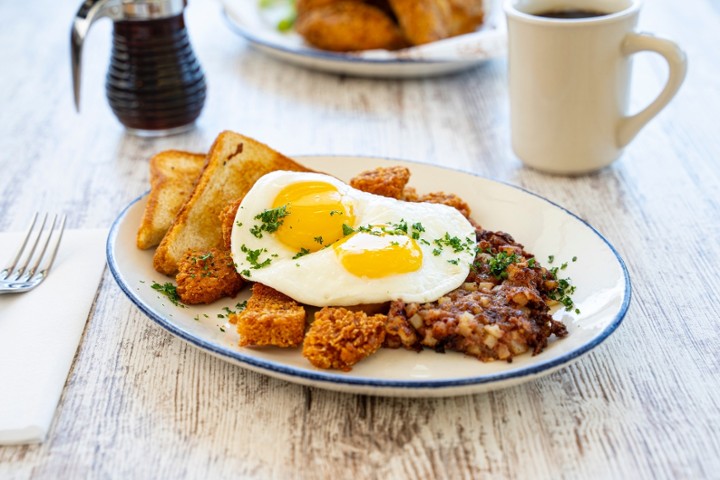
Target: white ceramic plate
258, 26
602, 295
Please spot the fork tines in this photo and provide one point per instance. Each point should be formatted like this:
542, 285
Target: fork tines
37, 251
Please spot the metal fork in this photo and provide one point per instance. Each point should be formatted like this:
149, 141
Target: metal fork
35, 256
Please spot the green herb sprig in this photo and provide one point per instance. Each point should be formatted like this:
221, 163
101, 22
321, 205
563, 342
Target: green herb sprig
271, 220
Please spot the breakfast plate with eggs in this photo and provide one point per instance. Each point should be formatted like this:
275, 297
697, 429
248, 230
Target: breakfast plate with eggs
601, 295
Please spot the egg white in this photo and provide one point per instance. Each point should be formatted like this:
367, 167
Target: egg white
320, 279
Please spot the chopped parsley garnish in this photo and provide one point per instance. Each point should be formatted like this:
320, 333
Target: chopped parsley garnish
301, 253
239, 307
347, 230
169, 290
253, 257
202, 258
271, 220
417, 229
551, 258
335, 212
400, 228
318, 240
498, 264
562, 294
531, 262
455, 243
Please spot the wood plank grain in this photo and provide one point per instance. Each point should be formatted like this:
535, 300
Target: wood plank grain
140, 403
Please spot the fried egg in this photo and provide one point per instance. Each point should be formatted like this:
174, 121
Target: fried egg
324, 243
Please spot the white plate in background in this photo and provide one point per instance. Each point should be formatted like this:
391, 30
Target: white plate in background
258, 26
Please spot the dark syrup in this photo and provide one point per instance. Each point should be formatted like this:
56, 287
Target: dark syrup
154, 82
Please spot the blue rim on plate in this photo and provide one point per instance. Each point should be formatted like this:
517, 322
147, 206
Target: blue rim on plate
336, 379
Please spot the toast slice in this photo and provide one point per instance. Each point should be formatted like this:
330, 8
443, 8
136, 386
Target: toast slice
234, 163
173, 175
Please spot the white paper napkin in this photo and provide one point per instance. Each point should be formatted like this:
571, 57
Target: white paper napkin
40, 331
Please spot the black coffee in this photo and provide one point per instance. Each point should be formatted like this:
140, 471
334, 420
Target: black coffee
570, 14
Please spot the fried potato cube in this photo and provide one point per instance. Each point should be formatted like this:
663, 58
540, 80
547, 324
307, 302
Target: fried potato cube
206, 276
270, 318
385, 181
339, 338
449, 199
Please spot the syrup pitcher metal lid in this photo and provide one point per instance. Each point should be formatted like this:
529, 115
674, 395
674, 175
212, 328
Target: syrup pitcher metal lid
155, 85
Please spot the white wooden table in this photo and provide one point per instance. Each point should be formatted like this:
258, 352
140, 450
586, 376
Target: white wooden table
139, 403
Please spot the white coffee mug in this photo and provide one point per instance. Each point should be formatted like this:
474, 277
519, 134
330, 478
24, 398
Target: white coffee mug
569, 82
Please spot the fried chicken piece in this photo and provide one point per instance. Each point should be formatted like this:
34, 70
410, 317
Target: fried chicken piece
206, 276
347, 25
227, 220
385, 181
425, 21
339, 338
466, 16
270, 318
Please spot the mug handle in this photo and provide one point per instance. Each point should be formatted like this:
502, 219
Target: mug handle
677, 63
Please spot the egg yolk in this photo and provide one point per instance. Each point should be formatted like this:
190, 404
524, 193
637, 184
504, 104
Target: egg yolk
375, 256
316, 214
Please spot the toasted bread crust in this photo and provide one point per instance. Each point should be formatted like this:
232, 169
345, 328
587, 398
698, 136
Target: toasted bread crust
173, 175
234, 163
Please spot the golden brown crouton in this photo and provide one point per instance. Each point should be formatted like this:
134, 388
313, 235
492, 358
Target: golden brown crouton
339, 338
410, 195
449, 199
227, 220
270, 318
385, 181
205, 276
